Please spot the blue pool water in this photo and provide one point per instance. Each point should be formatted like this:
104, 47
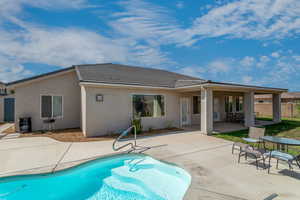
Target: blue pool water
125, 177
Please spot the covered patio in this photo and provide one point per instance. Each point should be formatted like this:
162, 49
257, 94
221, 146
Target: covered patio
219, 107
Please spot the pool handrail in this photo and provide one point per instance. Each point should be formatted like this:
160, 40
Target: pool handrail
133, 145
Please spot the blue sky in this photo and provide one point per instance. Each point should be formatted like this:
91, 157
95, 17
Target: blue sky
249, 42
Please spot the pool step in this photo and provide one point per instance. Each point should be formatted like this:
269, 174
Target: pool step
131, 185
149, 179
109, 192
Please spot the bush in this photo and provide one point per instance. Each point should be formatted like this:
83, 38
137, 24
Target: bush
169, 124
137, 122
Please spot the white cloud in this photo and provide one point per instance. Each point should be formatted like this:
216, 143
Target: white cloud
65, 47
195, 71
32, 43
219, 66
276, 72
275, 54
11, 70
247, 79
247, 61
263, 60
252, 19
149, 23
179, 4
14, 6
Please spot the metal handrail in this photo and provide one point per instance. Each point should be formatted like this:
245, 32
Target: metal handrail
133, 145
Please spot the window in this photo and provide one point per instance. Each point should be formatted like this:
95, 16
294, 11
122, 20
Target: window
239, 104
148, 105
228, 104
196, 104
51, 106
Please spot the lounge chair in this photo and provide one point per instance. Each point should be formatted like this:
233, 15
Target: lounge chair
255, 134
288, 158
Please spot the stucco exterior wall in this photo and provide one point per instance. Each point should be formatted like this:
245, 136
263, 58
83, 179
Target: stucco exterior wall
28, 100
83, 110
1, 108
115, 112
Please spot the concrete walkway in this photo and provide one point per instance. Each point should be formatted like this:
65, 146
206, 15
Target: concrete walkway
215, 172
4, 136
5, 126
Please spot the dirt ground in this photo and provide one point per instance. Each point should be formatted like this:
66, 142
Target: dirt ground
76, 135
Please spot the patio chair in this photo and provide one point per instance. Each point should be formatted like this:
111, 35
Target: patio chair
239, 146
255, 134
285, 157
256, 153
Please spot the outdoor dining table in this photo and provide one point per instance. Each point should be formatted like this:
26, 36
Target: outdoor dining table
281, 142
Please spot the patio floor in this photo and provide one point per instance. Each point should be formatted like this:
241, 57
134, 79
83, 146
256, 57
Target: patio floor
214, 170
224, 127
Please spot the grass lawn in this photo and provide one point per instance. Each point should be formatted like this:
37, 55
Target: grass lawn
289, 128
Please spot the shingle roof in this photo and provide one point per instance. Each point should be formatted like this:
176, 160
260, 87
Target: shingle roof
41, 75
123, 74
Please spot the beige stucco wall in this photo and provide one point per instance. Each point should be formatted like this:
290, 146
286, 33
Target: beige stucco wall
1, 108
28, 100
115, 112
83, 109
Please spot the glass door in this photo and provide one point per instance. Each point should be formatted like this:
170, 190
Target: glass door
184, 111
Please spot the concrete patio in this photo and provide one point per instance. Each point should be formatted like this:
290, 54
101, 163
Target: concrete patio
215, 171
225, 127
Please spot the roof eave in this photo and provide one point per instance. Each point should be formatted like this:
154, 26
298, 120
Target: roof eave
39, 77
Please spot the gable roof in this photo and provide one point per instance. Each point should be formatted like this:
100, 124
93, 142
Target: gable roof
118, 74
131, 75
41, 76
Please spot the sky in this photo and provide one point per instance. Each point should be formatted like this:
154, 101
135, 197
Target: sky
247, 42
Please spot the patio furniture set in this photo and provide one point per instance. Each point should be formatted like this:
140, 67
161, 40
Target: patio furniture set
260, 153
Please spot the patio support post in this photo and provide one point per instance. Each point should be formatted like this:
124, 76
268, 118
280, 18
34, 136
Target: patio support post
249, 109
276, 108
206, 111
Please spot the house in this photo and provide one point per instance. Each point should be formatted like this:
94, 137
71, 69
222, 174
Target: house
103, 98
286, 97
6, 104
290, 104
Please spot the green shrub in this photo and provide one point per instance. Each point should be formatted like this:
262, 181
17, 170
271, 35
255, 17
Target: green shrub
150, 129
169, 124
137, 122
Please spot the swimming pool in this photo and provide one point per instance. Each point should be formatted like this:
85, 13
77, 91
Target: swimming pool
128, 176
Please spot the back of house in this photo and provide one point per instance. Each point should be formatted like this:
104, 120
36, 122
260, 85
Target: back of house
104, 98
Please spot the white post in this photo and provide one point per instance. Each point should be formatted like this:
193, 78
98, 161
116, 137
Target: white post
276, 108
249, 109
206, 110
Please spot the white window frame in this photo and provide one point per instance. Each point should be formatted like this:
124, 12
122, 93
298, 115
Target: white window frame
153, 94
62, 106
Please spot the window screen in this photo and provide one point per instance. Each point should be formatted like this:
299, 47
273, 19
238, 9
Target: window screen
51, 106
46, 106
